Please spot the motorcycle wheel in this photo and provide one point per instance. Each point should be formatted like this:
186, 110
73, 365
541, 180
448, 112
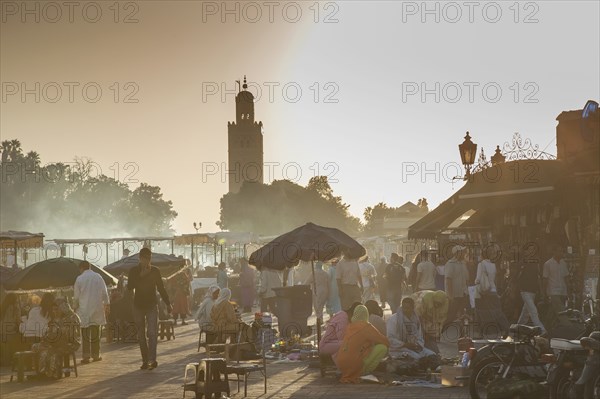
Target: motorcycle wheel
562, 388
485, 372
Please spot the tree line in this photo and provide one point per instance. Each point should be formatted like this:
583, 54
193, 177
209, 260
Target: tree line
271, 209
70, 201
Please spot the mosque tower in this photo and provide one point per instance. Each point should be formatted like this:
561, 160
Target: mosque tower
245, 145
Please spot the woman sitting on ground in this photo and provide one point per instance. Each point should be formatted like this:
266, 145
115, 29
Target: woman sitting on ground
362, 349
61, 339
334, 334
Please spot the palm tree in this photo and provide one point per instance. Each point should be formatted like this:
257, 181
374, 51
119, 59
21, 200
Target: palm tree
32, 159
11, 150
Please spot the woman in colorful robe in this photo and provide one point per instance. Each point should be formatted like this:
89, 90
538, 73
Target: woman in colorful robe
362, 349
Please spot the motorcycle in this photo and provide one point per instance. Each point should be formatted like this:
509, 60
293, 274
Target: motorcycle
510, 368
571, 354
513, 360
576, 374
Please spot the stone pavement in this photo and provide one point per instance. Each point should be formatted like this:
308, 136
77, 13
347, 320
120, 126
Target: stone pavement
118, 376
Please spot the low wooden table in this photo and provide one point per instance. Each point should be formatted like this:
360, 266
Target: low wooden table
244, 369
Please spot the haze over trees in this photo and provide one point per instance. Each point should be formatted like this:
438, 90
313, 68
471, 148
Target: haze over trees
71, 201
271, 209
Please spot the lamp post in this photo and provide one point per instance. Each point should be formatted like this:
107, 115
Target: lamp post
197, 227
497, 158
468, 152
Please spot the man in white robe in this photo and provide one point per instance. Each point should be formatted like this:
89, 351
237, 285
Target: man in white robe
405, 333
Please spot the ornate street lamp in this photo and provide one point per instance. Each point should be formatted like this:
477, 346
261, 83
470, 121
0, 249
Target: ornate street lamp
197, 226
498, 158
468, 152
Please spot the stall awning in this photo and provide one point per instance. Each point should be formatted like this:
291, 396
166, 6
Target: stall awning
21, 239
84, 241
509, 185
196, 239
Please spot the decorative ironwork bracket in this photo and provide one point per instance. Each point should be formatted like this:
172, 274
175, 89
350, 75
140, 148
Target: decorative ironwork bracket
523, 149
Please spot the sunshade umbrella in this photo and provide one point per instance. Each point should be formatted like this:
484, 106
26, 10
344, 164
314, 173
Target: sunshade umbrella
168, 264
52, 273
310, 242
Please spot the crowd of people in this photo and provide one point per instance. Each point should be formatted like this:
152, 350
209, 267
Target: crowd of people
470, 292
424, 300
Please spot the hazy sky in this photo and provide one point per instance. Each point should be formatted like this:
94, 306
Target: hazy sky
353, 106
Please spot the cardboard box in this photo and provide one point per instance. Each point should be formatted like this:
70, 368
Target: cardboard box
449, 374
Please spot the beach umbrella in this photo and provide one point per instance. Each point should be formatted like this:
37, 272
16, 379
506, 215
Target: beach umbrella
168, 264
310, 242
52, 273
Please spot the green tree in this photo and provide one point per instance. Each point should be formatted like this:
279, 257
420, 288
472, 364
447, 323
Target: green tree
278, 207
70, 201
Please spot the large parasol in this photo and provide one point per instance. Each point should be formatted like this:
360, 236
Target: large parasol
310, 242
52, 273
168, 264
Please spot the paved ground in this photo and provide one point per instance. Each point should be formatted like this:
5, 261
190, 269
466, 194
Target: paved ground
118, 376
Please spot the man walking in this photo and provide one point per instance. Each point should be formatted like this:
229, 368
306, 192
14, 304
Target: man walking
555, 286
349, 282
381, 286
91, 304
395, 275
529, 282
426, 272
457, 276
368, 275
145, 279
269, 279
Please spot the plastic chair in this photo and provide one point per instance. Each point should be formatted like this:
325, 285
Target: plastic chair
23, 364
210, 378
166, 329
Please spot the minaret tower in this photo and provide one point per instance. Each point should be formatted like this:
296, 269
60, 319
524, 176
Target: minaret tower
245, 143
